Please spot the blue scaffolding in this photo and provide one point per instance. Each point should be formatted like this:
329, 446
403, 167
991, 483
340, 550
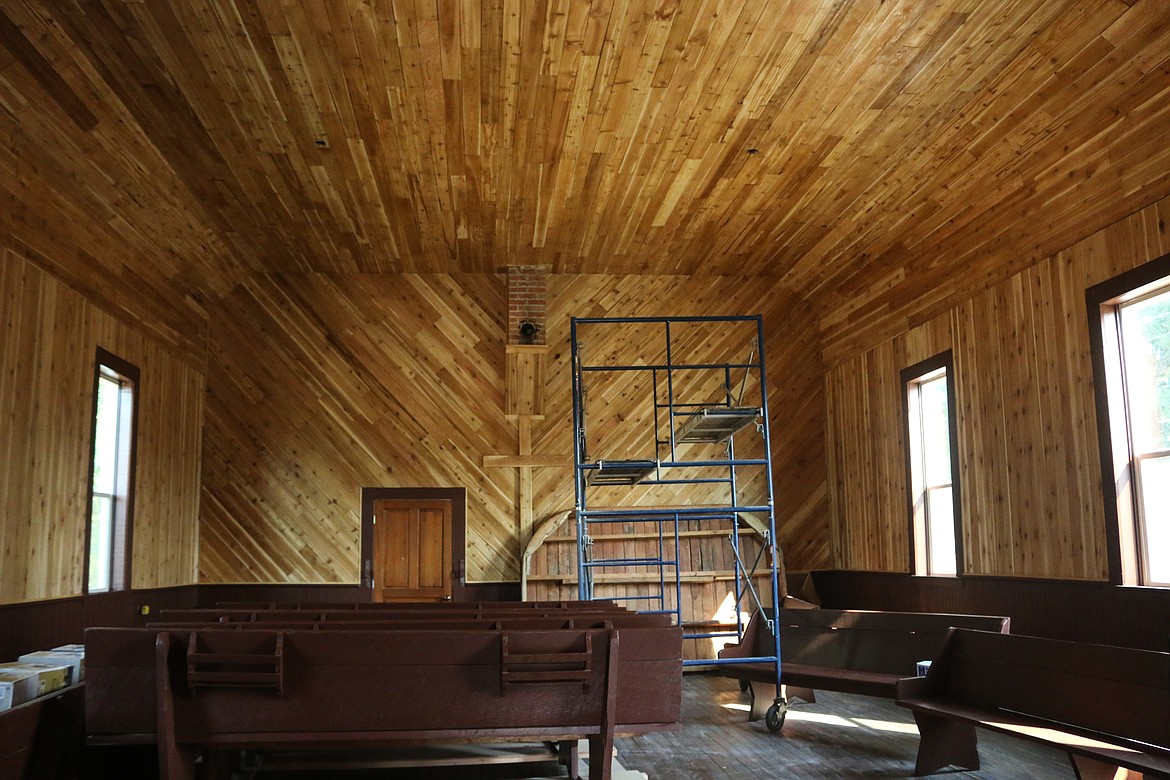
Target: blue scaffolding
678, 421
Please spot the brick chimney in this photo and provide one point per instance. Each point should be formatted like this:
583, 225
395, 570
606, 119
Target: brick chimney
527, 291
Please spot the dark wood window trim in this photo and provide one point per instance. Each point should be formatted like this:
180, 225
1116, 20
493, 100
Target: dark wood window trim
458, 499
1102, 315
946, 361
123, 543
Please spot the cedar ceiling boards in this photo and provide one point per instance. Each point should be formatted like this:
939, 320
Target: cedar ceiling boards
907, 152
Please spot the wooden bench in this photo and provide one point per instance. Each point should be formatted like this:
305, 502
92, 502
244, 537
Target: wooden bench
349, 617
424, 606
255, 687
1107, 707
852, 651
419, 624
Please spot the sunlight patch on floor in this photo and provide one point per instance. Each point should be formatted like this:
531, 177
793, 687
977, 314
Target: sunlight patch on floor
887, 725
817, 717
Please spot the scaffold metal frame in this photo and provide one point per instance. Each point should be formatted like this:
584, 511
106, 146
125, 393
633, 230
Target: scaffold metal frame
592, 473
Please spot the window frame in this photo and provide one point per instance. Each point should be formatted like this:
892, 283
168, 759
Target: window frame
919, 556
122, 533
1125, 552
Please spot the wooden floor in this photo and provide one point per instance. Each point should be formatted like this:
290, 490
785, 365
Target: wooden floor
840, 736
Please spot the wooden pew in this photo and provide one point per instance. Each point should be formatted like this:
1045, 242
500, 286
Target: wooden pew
518, 623
221, 615
407, 606
211, 689
852, 651
1107, 707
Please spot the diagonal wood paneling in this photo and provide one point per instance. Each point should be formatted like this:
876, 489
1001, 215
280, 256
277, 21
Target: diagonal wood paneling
1028, 457
321, 384
795, 391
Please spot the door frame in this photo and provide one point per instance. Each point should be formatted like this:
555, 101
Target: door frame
458, 499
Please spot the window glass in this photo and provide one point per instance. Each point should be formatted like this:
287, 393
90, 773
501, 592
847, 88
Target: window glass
110, 496
933, 518
941, 531
105, 474
1145, 353
1145, 332
936, 438
1155, 512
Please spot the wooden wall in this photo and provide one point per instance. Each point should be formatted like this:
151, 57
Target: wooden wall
47, 351
1028, 459
319, 385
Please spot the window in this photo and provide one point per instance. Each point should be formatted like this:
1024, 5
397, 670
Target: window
935, 545
111, 476
1130, 326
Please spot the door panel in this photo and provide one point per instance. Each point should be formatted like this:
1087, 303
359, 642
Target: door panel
412, 550
432, 526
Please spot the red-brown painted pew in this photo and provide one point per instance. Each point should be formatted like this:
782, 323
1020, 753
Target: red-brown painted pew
213, 689
1107, 707
316, 613
520, 623
407, 606
852, 651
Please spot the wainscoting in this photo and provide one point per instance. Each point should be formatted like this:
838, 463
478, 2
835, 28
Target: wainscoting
40, 625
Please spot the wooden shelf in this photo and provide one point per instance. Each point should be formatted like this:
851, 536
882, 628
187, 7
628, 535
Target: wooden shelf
638, 578
651, 535
717, 424
620, 472
698, 511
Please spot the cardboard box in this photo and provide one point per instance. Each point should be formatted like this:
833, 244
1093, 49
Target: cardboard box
16, 687
49, 678
74, 661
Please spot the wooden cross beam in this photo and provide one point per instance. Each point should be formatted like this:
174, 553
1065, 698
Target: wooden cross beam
524, 402
524, 461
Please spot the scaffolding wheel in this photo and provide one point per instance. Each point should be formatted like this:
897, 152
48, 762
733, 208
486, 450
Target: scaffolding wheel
774, 717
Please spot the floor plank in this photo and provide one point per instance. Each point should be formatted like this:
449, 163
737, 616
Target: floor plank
840, 736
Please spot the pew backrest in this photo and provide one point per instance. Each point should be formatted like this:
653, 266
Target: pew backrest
869, 641
1096, 689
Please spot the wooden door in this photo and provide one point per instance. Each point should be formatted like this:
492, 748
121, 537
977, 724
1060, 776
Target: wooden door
412, 550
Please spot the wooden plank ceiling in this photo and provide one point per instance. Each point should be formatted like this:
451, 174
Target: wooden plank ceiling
862, 151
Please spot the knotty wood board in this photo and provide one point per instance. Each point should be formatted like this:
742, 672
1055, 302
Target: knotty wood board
321, 384
1028, 454
48, 343
156, 154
